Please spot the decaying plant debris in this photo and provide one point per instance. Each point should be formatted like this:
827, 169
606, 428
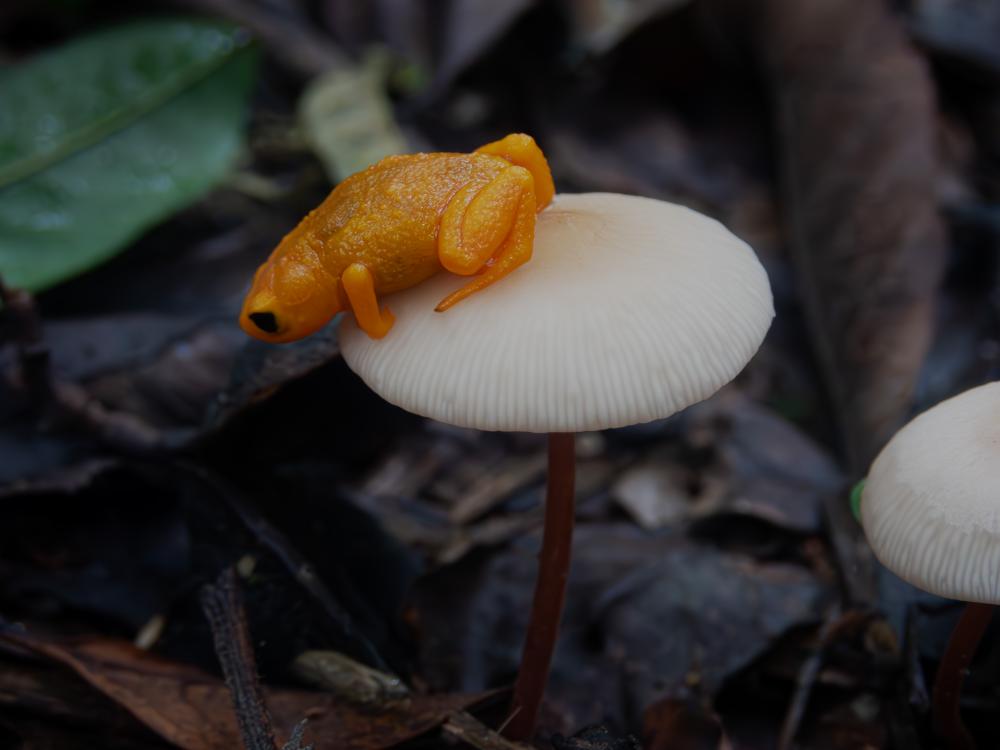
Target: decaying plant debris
156, 466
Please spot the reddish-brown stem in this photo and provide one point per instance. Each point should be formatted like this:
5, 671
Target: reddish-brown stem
951, 674
550, 590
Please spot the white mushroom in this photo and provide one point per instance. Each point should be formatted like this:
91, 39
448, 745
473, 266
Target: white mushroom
930, 508
629, 310
931, 503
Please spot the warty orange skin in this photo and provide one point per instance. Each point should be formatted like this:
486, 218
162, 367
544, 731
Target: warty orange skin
394, 225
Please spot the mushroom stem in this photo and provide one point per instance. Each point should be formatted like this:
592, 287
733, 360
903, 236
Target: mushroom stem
550, 589
951, 674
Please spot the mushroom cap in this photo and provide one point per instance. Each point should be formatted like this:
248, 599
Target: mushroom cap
629, 310
931, 504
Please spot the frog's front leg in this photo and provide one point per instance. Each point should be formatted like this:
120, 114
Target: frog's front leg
359, 285
489, 231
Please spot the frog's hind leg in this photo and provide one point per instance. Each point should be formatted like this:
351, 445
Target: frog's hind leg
490, 231
359, 285
522, 151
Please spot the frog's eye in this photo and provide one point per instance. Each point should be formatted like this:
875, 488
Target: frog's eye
265, 321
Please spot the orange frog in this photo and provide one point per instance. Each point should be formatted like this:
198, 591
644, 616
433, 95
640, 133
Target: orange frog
395, 224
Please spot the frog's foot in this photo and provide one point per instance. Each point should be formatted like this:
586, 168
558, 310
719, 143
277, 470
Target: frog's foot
360, 289
522, 151
489, 232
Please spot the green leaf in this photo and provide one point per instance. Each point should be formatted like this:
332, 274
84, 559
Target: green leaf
110, 134
857, 491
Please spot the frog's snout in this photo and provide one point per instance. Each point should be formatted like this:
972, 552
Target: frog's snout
262, 322
265, 320
262, 316
289, 300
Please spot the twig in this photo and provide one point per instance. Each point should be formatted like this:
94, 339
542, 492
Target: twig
296, 46
909, 693
807, 678
223, 606
854, 558
295, 741
69, 401
300, 568
33, 356
466, 728
497, 484
124, 432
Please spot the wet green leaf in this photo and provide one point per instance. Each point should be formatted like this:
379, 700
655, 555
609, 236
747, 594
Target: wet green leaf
111, 133
856, 492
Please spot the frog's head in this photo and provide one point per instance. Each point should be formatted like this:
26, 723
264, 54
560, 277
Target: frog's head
292, 296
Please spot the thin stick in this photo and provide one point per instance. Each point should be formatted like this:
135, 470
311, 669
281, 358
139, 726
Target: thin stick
297, 565
951, 674
223, 607
120, 430
806, 679
33, 356
550, 589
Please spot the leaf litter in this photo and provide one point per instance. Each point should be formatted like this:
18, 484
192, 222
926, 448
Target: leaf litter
713, 546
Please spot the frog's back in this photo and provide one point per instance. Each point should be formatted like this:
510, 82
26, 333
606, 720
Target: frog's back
387, 216
405, 195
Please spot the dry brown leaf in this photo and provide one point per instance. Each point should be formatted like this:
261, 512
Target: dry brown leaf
194, 710
856, 113
672, 724
68, 712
